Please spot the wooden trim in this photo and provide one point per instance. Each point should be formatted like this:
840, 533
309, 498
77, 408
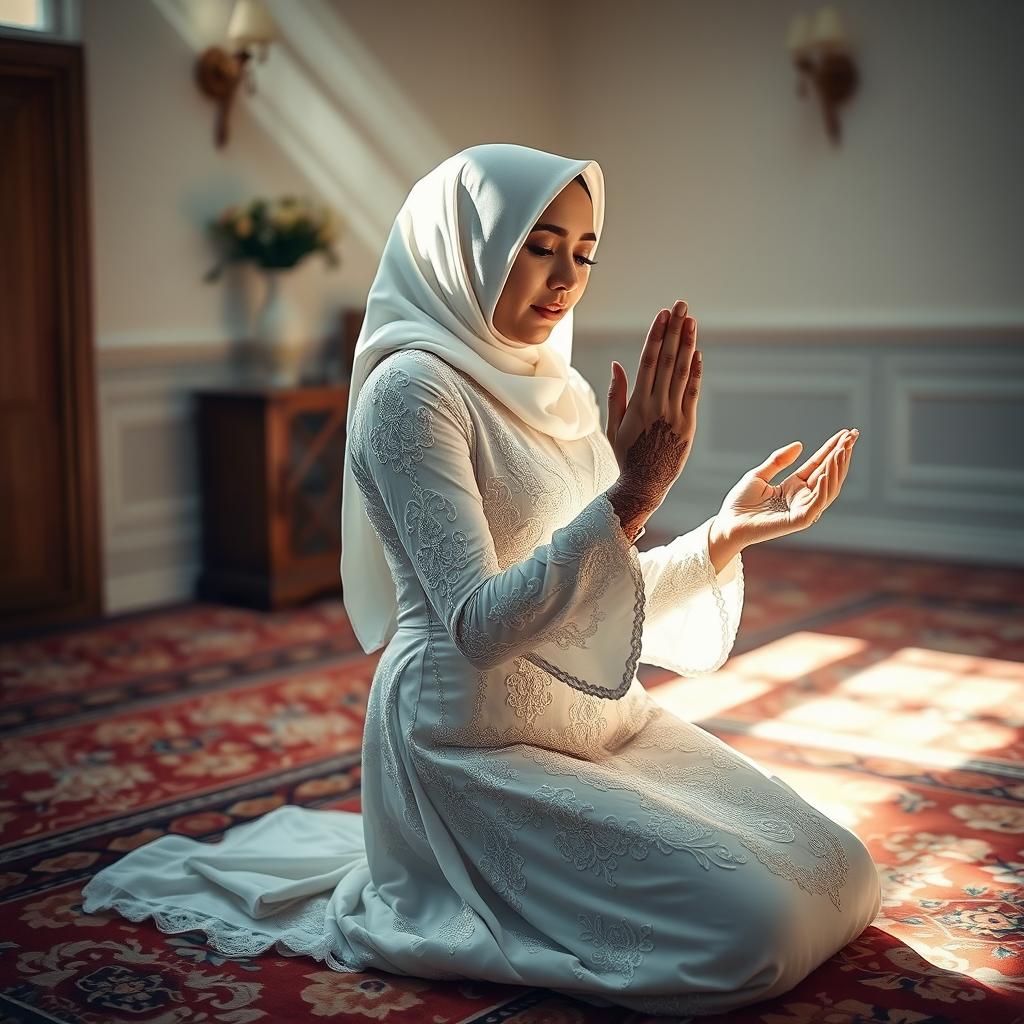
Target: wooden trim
63, 65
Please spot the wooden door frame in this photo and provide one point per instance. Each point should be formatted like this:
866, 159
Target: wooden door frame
63, 65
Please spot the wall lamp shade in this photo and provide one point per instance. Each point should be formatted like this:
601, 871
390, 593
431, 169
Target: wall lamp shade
251, 25
219, 72
822, 54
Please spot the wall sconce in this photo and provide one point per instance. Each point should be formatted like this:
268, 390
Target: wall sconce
831, 71
219, 73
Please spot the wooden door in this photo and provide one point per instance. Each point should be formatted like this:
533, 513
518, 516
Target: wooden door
49, 500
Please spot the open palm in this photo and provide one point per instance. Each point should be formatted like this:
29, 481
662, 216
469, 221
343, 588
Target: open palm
757, 510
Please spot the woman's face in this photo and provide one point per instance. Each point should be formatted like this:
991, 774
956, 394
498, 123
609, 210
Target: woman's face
550, 268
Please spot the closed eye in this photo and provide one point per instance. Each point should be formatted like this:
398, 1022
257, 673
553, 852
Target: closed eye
541, 251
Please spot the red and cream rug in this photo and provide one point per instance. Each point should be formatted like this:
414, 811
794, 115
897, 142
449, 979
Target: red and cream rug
888, 692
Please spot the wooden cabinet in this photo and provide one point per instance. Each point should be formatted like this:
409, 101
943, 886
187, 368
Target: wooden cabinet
271, 462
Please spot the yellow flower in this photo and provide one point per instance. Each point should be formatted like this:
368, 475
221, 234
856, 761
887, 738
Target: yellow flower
328, 230
283, 217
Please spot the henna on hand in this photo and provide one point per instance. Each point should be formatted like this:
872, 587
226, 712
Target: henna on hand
655, 458
632, 508
653, 462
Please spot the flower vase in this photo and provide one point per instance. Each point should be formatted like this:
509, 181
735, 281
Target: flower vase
281, 331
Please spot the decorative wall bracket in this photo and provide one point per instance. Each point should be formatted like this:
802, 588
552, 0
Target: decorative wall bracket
822, 55
219, 72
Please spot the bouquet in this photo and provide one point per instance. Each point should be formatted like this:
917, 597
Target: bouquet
273, 233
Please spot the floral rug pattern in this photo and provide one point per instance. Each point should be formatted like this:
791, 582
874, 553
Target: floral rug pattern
890, 693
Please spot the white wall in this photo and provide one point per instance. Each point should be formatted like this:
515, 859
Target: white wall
881, 274
157, 177
722, 186
724, 190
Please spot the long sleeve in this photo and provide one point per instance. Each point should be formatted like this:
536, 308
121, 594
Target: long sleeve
574, 607
692, 613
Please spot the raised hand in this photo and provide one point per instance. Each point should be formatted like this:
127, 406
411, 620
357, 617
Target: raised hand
756, 510
652, 432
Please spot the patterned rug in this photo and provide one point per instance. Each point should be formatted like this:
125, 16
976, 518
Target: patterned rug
888, 692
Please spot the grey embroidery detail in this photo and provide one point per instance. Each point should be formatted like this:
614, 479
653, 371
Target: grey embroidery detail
468, 811
709, 783
518, 608
455, 931
440, 555
619, 946
399, 436
588, 845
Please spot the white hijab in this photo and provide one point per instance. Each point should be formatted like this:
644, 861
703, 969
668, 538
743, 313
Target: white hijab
444, 266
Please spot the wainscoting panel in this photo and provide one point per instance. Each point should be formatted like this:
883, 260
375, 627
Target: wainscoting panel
149, 463
939, 467
956, 434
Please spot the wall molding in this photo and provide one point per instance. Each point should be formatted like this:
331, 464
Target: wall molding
968, 334
169, 346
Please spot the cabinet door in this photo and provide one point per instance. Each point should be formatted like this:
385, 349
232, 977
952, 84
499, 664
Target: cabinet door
309, 488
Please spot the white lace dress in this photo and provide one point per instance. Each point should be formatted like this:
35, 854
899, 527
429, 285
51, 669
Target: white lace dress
530, 814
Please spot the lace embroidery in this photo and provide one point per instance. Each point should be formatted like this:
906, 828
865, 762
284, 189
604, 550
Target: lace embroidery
399, 436
680, 579
516, 609
762, 822
502, 864
591, 846
296, 931
619, 947
515, 535
587, 724
440, 557
528, 691
669, 829
455, 932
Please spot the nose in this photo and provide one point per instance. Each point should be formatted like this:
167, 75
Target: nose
564, 274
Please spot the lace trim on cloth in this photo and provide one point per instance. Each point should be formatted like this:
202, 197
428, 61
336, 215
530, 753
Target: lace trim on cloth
302, 932
598, 564
684, 573
596, 541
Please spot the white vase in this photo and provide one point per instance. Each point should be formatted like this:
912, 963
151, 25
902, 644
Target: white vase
281, 332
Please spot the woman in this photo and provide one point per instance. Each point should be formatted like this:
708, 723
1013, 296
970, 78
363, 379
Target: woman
530, 814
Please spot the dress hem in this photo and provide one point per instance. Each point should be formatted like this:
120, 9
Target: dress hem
231, 940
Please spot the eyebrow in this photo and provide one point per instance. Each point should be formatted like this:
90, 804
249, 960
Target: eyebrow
589, 236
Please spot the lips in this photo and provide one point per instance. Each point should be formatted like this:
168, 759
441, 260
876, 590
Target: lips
550, 312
